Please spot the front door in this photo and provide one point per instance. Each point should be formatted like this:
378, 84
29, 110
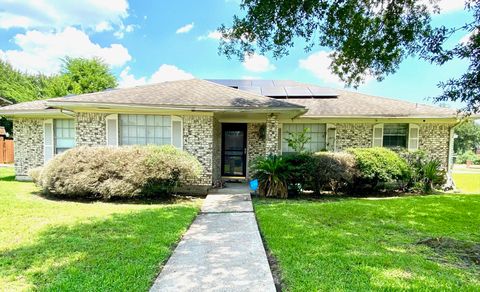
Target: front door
234, 150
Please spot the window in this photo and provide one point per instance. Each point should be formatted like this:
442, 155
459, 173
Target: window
395, 135
316, 133
64, 135
145, 129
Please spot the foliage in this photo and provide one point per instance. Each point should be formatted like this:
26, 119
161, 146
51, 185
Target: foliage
272, 174
78, 76
55, 245
334, 171
106, 172
297, 140
301, 170
415, 160
468, 137
468, 155
374, 240
377, 165
86, 75
366, 38
433, 175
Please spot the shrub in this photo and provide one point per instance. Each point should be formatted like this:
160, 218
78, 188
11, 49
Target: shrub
301, 171
416, 161
272, 173
333, 171
376, 165
468, 156
105, 172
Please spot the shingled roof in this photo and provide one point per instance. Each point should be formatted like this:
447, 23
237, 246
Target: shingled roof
193, 93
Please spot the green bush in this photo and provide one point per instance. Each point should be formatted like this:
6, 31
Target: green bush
379, 165
301, 172
123, 172
432, 175
334, 171
272, 174
468, 155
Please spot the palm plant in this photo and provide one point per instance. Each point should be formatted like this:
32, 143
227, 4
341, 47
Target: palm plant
272, 174
432, 175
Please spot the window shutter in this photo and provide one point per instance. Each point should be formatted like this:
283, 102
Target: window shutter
330, 137
413, 136
177, 132
112, 130
377, 135
48, 144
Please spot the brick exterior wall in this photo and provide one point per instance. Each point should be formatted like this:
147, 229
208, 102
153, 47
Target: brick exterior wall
271, 143
198, 140
90, 129
434, 139
353, 135
28, 150
256, 145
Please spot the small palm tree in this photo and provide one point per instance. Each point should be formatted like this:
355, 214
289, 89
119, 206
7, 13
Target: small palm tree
272, 174
432, 175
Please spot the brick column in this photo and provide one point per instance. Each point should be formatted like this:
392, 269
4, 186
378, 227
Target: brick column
271, 137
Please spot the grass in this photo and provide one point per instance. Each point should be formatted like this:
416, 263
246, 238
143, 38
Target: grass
467, 182
73, 246
406, 243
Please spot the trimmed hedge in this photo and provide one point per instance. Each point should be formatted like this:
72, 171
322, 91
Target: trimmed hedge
379, 165
123, 172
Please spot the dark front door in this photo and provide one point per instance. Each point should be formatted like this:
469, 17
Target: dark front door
234, 150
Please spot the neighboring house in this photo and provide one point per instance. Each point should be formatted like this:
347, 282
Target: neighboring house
4, 101
226, 124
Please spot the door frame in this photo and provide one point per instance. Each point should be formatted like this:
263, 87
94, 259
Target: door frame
235, 127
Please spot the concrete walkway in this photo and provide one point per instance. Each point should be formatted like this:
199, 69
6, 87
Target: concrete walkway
222, 250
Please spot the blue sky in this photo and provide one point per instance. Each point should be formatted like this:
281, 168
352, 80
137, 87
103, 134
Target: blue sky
153, 41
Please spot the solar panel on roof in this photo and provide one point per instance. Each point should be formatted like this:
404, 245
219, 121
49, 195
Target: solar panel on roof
274, 91
253, 89
298, 91
262, 83
320, 91
282, 83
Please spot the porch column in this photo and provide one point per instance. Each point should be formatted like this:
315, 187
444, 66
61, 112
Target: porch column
271, 135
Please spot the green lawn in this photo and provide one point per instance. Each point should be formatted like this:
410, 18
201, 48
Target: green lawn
382, 244
467, 182
73, 246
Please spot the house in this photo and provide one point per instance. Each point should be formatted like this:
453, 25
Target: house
226, 124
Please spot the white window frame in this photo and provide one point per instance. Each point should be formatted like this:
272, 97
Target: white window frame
112, 117
176, 119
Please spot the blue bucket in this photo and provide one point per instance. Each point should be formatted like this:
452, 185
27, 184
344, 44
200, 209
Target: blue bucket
254, 185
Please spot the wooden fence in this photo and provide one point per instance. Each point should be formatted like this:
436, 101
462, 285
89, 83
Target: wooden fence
6, 151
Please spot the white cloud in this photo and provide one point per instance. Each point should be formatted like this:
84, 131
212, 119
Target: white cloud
164, 73
58, 14
186, 28
213, 35
42, 51
103, 26
319, 65
122, 29
257, 63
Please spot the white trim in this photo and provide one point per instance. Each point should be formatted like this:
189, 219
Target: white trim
48, 123
112, 117
329, 127
176, 119
377, 126
410, 127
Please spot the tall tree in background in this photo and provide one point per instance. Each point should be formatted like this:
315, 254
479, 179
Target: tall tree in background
78, 75
367, 37
468, 137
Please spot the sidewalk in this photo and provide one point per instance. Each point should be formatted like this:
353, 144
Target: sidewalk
222, 250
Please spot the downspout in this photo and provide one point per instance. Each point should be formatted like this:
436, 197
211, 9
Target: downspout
450, 182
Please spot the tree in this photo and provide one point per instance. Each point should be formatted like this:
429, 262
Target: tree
82, 75
78, 75
468, 137
367, 37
